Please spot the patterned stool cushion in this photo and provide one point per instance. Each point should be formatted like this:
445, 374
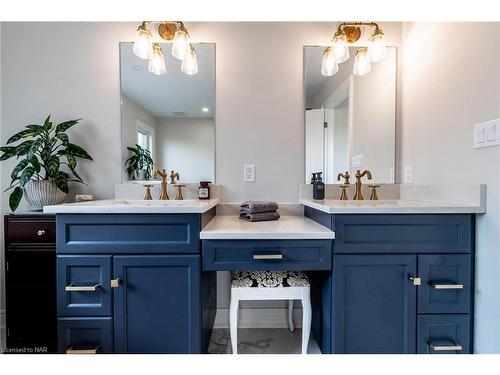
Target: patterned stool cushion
268, 279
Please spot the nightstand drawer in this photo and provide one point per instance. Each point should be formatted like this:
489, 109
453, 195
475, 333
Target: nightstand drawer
446, 283
32, 230
85, 335
83, 285
267, 255
443, 334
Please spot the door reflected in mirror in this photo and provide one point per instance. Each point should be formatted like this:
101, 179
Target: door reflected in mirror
173, 114
350, 120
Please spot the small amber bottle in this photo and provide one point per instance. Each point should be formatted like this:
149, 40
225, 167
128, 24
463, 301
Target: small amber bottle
204, 190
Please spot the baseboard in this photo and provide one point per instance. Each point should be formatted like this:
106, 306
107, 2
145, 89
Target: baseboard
259, 318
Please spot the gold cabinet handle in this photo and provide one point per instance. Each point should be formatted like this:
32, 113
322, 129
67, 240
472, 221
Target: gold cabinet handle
74, 288
442, 348
72, 350
415, 280
115, 283
446, 286
267, 256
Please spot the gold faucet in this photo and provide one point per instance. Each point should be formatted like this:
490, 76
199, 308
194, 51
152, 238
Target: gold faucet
163, 174
346, 176
179, 196
173, 176
358, 196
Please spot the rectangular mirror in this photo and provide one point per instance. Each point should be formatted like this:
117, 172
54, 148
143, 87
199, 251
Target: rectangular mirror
350, 121
173, 114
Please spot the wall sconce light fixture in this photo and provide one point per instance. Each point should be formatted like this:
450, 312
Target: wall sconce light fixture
171, 31
339, 51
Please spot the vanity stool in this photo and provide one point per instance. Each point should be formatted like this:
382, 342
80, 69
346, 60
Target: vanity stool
270, 285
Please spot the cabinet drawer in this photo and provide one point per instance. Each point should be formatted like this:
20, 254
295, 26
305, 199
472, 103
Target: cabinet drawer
403, 233
24, 230
303, 255
446, 283
83, 285
85, 335
443, 334
128, 233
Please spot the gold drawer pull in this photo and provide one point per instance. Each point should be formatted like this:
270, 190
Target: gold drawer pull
115, 283
442, 348
72, 350
447, 286
267, 256
73, 288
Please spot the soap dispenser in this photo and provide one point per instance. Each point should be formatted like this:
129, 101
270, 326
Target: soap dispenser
318, 187
313, 178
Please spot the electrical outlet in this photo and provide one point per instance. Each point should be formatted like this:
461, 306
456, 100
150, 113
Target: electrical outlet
487, 134
408, 174
249, 173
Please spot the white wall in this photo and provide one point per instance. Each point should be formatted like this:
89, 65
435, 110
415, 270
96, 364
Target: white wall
187, 145
131, 112
451, 80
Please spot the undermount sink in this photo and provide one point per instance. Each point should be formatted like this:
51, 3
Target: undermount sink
154, 203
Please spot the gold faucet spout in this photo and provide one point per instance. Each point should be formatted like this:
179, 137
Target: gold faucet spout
164, 192
358, 195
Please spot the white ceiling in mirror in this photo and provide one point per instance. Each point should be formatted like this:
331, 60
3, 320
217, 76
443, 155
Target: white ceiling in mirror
174, 94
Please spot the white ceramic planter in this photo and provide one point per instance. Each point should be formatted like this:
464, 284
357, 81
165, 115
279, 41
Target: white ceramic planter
39, 193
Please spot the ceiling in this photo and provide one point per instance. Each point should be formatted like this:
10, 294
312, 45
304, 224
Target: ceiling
174, 91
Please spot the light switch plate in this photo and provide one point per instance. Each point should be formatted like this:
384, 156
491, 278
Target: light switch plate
487, 134
249, 173
408, 174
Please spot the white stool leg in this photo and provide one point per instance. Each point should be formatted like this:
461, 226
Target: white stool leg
233, 323
291, 326
306, 319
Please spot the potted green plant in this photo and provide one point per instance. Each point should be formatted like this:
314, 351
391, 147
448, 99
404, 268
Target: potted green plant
47, 162
139, 166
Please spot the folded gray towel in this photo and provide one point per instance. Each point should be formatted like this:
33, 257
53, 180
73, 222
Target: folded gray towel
255, 207
261, 216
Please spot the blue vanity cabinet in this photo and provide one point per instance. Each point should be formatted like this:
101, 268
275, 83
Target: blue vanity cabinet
401, 283
138, 284
157, 304
374, 304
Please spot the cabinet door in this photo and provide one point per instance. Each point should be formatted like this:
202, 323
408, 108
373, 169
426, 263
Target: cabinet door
374, 304
157, 304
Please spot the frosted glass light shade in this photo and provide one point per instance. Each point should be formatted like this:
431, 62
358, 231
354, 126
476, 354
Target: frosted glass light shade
340, 48
376, 47
362, 64
190, 63
329, 65
157, 61
181, 44
142, 43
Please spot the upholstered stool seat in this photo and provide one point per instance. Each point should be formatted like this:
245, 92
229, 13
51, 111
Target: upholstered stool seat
270, 285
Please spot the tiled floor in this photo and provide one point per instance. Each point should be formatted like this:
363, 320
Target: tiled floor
261, 341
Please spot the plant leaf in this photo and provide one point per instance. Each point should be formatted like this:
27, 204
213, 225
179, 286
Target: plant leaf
8, 152
61, 180
26, 175
34, 148
71, 161
24, 148
35, 163
18, 168
77, 151
63, 126
15, 198
77, 176
63, 137
52, 165
47, 125
22, 134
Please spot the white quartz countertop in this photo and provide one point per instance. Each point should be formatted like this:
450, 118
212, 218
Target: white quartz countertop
131, 206
231, 227
391, 206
